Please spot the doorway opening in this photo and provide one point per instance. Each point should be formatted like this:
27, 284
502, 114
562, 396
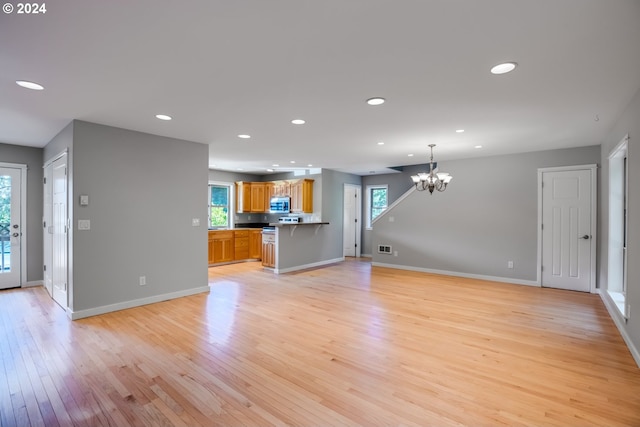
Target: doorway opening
618, 196
13, 178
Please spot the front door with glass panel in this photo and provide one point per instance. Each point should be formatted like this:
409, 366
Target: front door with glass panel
10, 228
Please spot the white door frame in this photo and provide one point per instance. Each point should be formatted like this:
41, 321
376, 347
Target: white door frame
69, 291
358, 217
594, 210
23, 217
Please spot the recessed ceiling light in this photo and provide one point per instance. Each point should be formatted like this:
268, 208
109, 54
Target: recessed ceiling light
380, 143
269, 170
478, 146
375, 101
309, 165
275, 165
298, 121
503, 68
459, 130
410, 155
243, 136
163, 117
292, 161
29, 85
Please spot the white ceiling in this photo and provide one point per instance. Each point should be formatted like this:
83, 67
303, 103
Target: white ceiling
223, 68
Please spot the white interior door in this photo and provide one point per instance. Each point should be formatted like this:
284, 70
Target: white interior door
10, 227
567, 229
352, 220
59, 231
47, 222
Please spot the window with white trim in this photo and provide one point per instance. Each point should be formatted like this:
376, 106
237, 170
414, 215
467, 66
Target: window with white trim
377, 202
219, 206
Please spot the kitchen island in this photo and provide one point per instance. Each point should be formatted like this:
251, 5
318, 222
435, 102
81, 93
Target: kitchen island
296, 246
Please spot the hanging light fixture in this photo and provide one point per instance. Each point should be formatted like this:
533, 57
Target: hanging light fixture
432, 180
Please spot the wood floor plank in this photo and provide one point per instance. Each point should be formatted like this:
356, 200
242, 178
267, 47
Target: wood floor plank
348, 344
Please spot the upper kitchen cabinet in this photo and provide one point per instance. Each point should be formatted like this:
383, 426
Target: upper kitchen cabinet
302, 196
255, 196
252, 197
243, 196
258, 197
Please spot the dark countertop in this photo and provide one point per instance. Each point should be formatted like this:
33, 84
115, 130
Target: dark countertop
280, 224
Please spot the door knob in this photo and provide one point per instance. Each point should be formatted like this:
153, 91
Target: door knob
16, 234
585, 237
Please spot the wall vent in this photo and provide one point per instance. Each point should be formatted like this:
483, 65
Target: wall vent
384, 249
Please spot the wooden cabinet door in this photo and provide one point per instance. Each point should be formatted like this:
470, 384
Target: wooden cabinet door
257, 197
269, 188
220, 246
269, 254
296, 197
307, 195
255, 244
211, 252
243, 197
223, 250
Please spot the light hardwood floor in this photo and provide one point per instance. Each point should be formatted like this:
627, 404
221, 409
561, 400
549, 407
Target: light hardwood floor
344, 345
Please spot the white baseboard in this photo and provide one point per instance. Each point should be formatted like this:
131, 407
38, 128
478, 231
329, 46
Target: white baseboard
75, 315
32, 284
619, 321
458, 274
305, 266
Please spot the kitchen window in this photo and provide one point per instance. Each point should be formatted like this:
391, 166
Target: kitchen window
219, 206
376, 199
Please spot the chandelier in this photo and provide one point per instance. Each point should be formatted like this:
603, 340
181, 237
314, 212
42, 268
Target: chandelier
432, 180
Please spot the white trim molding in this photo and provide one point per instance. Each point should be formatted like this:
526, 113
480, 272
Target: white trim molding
509, 280
620, 321
306, 266
593, 168
80, 314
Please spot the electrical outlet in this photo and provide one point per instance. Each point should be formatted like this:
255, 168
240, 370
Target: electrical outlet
395, 253
510, 264
143, 280
195, 222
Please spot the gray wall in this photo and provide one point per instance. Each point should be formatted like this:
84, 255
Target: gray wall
307, 246
486, 217
32, 157
143, 192
629, 123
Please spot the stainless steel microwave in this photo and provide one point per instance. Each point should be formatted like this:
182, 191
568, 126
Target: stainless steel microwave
280, 205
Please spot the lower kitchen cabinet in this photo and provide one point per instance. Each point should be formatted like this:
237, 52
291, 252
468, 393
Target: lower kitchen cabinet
255, 244
269, 250
241, 245
234, 245
221, 246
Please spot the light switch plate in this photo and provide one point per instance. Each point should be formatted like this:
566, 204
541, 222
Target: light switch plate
84, 224
84, 200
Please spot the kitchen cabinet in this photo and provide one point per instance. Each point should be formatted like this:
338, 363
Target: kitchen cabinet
221, 246
302, 196
254, 197
269, 192
243, 197
257, 197
241, 245
255, 244
282, 189
269, 250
